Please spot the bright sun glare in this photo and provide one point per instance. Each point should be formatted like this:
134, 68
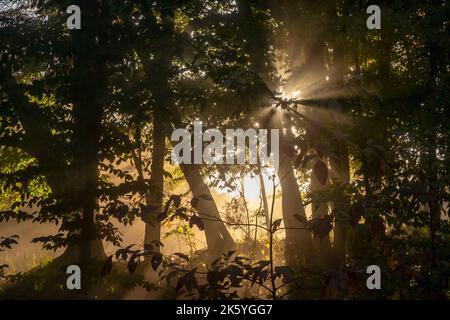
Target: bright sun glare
290, 95
252, 186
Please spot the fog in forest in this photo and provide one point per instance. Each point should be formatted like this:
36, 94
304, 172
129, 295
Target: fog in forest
321, 170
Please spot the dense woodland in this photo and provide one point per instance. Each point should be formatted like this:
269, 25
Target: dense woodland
86, 118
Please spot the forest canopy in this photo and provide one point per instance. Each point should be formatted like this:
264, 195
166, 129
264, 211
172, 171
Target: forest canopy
363, 144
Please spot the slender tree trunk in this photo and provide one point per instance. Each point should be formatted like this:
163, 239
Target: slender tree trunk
158, 72
264, 200
218, 238
152, 235
88, 89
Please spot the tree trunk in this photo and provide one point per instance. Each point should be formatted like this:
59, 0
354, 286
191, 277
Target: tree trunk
88, 88
218, 238
339, 164
264, 199
158, 72
77, 178
152, 235
322, 245
340, 173
298, 241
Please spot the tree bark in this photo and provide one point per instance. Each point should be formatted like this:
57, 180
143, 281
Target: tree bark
322, 245
88, 87
339, 163
264, 199
297, 241
218, 238
340, 173
152, 235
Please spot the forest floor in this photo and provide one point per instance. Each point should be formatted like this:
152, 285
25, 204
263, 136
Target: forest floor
47, 281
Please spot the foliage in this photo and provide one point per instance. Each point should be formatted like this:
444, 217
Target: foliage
365, 129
